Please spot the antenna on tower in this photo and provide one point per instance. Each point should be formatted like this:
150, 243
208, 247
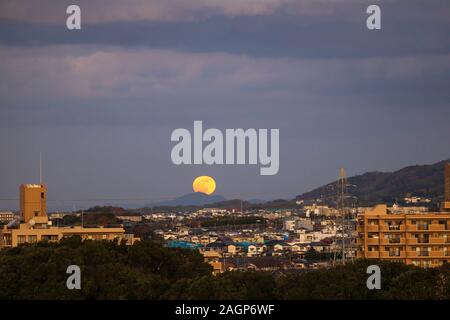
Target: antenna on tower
40, 167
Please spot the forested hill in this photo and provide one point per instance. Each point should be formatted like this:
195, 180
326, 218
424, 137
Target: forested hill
388, 187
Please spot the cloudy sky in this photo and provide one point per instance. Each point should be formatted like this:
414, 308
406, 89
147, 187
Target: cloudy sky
101, 103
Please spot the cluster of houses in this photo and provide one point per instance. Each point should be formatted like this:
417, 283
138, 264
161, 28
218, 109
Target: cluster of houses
289, 240
250, 249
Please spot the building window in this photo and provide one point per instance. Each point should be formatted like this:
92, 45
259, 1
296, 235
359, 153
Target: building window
425, 263
49, 237
21, 239
423, 253
394, 252
394, 240
394, 226
423, 225
422, 238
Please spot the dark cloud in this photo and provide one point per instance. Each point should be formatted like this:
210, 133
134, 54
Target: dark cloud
278, 35
102, 102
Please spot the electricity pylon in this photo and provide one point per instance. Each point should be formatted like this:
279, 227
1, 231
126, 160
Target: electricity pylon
343, 226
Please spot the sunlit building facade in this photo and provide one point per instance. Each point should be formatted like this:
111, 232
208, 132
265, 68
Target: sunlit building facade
33, 201
421, 239
34, 225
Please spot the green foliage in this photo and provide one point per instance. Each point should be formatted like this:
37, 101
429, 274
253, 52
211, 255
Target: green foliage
109, 270
144, 231
106, 209
398, 281
229, 285
91, 219
313, 255
147, 270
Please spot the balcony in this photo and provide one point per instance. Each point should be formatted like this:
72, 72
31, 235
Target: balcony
411, 241
393, 241
373, 241
372, 228
5, 243
372, 254
392, 255
360, 255
437, 254
437, 240
398, 228
417, 254
437, 227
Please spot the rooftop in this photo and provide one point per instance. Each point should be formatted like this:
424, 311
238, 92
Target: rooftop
28, 185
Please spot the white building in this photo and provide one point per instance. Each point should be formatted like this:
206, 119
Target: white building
7, 216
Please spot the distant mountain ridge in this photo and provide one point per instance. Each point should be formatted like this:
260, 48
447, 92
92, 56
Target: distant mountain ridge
388, 187
191, 199
366, 189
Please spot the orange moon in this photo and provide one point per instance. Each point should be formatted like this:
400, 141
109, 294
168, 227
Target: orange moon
204, 184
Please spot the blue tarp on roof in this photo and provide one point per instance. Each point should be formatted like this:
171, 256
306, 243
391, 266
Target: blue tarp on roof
183, 244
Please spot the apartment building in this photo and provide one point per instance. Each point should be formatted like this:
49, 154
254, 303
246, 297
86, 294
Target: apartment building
420, 238
6, 217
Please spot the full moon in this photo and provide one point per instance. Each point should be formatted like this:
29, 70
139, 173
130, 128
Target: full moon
204, 184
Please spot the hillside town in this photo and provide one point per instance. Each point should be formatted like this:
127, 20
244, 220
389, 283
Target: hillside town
305, 237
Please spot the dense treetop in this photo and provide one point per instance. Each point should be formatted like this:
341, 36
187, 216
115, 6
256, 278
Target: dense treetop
148, 270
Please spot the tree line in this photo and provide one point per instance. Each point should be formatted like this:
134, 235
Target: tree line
148, 270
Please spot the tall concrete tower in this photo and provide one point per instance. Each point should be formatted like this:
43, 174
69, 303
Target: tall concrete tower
33, 201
